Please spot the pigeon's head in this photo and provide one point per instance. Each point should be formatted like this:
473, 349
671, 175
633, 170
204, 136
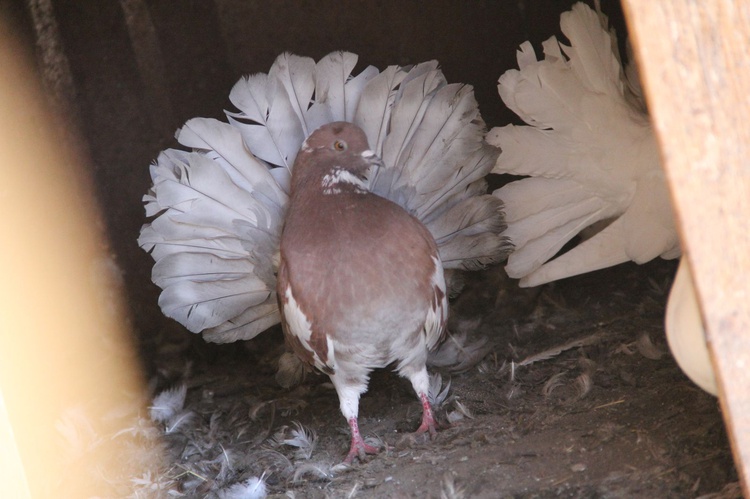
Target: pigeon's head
335, 158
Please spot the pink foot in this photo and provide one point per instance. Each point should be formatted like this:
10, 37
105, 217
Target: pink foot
428, 421
358, 448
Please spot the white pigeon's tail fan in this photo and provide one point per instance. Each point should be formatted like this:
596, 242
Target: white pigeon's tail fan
590, 154
219, 210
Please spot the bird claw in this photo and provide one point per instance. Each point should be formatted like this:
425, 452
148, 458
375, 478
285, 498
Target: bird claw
359, 449
429, 424
429, 427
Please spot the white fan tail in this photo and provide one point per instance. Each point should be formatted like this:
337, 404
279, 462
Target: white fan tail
219, 209
590, 154
199, 241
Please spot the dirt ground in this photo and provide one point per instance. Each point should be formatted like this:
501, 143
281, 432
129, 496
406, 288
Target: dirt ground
577, 396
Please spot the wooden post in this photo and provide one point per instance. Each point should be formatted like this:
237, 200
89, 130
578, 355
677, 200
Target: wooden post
70, 384
694, 59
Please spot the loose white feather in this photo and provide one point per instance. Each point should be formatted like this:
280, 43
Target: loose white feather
168, 404
219, 209
304, 439
252, 488
591, 156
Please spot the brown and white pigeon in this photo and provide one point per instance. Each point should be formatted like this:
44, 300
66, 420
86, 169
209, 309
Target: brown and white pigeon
360, 284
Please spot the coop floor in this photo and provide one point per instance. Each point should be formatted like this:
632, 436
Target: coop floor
604, 412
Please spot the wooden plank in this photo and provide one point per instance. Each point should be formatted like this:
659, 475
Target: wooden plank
695, 64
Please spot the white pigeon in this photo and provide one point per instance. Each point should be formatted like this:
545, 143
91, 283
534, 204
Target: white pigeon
220, 208
590, 155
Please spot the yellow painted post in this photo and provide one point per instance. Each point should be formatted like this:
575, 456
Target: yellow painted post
69, 379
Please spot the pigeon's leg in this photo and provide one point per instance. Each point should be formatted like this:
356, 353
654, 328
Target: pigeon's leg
421, 383
349, 392
358, 447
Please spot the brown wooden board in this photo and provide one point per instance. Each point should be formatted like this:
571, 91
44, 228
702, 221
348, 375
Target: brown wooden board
695, 63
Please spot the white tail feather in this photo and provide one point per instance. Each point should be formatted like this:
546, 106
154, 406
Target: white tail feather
469, 233
267, 121
591, 155
296, 74
374, 108
336, 90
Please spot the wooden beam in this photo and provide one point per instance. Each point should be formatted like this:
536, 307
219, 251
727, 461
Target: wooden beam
695, 68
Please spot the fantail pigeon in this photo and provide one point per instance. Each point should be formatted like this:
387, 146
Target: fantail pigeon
592, 157
361, 280
590, 153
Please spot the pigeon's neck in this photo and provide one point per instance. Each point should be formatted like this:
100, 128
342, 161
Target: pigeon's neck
330, 182
339, 180
322, 202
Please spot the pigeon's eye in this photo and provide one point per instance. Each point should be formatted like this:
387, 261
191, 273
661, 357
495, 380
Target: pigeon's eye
339, 145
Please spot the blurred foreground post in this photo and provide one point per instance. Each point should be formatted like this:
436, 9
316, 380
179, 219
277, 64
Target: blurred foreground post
71, 396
